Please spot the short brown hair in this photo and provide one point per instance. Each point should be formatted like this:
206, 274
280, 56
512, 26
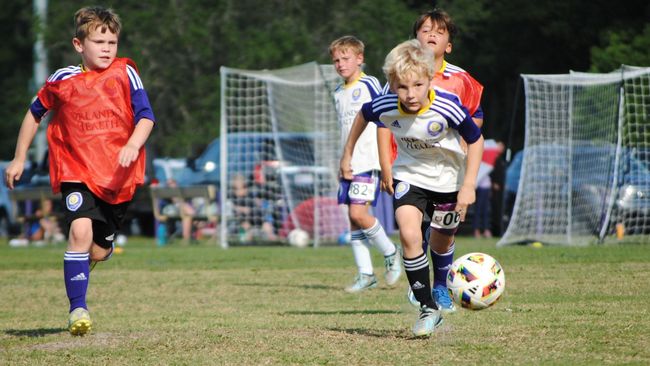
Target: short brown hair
90, 18
438, 17
347, 43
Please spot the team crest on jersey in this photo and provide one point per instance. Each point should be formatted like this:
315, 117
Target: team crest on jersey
401, 189
356, 93
435, 128
73, 201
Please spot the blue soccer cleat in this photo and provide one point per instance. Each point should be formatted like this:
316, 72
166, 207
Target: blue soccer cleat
441, 296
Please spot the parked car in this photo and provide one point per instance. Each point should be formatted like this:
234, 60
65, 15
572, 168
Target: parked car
592, 175
246, 151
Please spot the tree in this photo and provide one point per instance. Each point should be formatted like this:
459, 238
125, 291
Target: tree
621, 47
15, 72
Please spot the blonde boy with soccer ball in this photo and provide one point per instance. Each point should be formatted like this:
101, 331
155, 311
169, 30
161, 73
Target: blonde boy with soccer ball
432, 173
360, 189
436, 30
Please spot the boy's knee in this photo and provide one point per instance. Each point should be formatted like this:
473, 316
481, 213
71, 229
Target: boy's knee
80, 235
361, 218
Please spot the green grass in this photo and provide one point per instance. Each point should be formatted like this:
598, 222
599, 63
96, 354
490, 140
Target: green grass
284, 306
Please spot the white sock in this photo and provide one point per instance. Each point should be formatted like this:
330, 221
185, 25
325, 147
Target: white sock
378, 238
361, 252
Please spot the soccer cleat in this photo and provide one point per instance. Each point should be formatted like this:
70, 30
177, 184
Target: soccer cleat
441, 296
393, 268
411, 297
428, 320
362, 282
79, 322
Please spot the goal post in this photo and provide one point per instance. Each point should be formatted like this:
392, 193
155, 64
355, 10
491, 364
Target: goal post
280, 145
585, 176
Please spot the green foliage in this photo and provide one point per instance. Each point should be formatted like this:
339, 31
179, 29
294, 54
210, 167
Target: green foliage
180, 45
622, 47
15, 72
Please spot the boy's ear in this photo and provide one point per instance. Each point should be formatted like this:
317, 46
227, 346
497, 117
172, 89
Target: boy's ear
360, 59
76, 43
448, 49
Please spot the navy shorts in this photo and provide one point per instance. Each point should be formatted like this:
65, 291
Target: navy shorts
363, 189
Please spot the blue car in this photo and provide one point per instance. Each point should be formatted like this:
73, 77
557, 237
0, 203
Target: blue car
595, 183
246, 150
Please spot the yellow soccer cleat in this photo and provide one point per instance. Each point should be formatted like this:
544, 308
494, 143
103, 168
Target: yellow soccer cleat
79, 322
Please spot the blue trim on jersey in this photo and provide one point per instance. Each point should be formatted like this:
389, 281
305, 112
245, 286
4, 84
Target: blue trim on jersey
456, 114
372, 84
383, 103
139, 99
65, 73
37, 109
445, 104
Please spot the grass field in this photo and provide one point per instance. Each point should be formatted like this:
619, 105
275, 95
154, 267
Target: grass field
284, 306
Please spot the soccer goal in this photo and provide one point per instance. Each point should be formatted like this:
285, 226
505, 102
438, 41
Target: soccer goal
585, 176
280, 145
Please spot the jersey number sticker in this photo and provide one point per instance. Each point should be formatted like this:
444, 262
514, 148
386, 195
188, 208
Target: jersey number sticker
445, 219
362, 189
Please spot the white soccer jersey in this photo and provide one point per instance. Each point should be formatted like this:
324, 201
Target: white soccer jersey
429, 153
349, 100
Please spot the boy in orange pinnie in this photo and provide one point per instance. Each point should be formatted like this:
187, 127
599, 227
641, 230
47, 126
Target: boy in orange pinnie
101, 118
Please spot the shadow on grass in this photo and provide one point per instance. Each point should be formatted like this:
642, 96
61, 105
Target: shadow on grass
342, 312
306, 286
391, 333
34, 333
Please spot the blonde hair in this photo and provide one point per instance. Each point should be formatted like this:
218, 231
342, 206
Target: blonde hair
90, 18
347, 43
409, 58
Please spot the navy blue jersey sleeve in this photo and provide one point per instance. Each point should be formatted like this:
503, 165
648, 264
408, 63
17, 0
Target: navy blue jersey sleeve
37, 109
369, 114
457, 115
139, 99
469, 130
141, 106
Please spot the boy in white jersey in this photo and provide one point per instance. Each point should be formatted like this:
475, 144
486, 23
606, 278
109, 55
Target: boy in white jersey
436, 30
361, 189
432, 173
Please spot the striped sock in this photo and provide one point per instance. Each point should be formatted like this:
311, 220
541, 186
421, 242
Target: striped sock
76, 272
417, 272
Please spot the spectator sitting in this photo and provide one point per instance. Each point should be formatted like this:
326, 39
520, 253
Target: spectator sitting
249, 211
45, 230
186, 211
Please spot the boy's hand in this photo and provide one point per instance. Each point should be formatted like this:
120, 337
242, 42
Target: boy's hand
466, 196
387, 183
345, 167
128, 154
13, 173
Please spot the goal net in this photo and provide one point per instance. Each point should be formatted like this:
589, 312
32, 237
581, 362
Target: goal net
280, 145
585, 176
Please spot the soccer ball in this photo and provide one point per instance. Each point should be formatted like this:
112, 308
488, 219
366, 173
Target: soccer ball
298, 238
476, 281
